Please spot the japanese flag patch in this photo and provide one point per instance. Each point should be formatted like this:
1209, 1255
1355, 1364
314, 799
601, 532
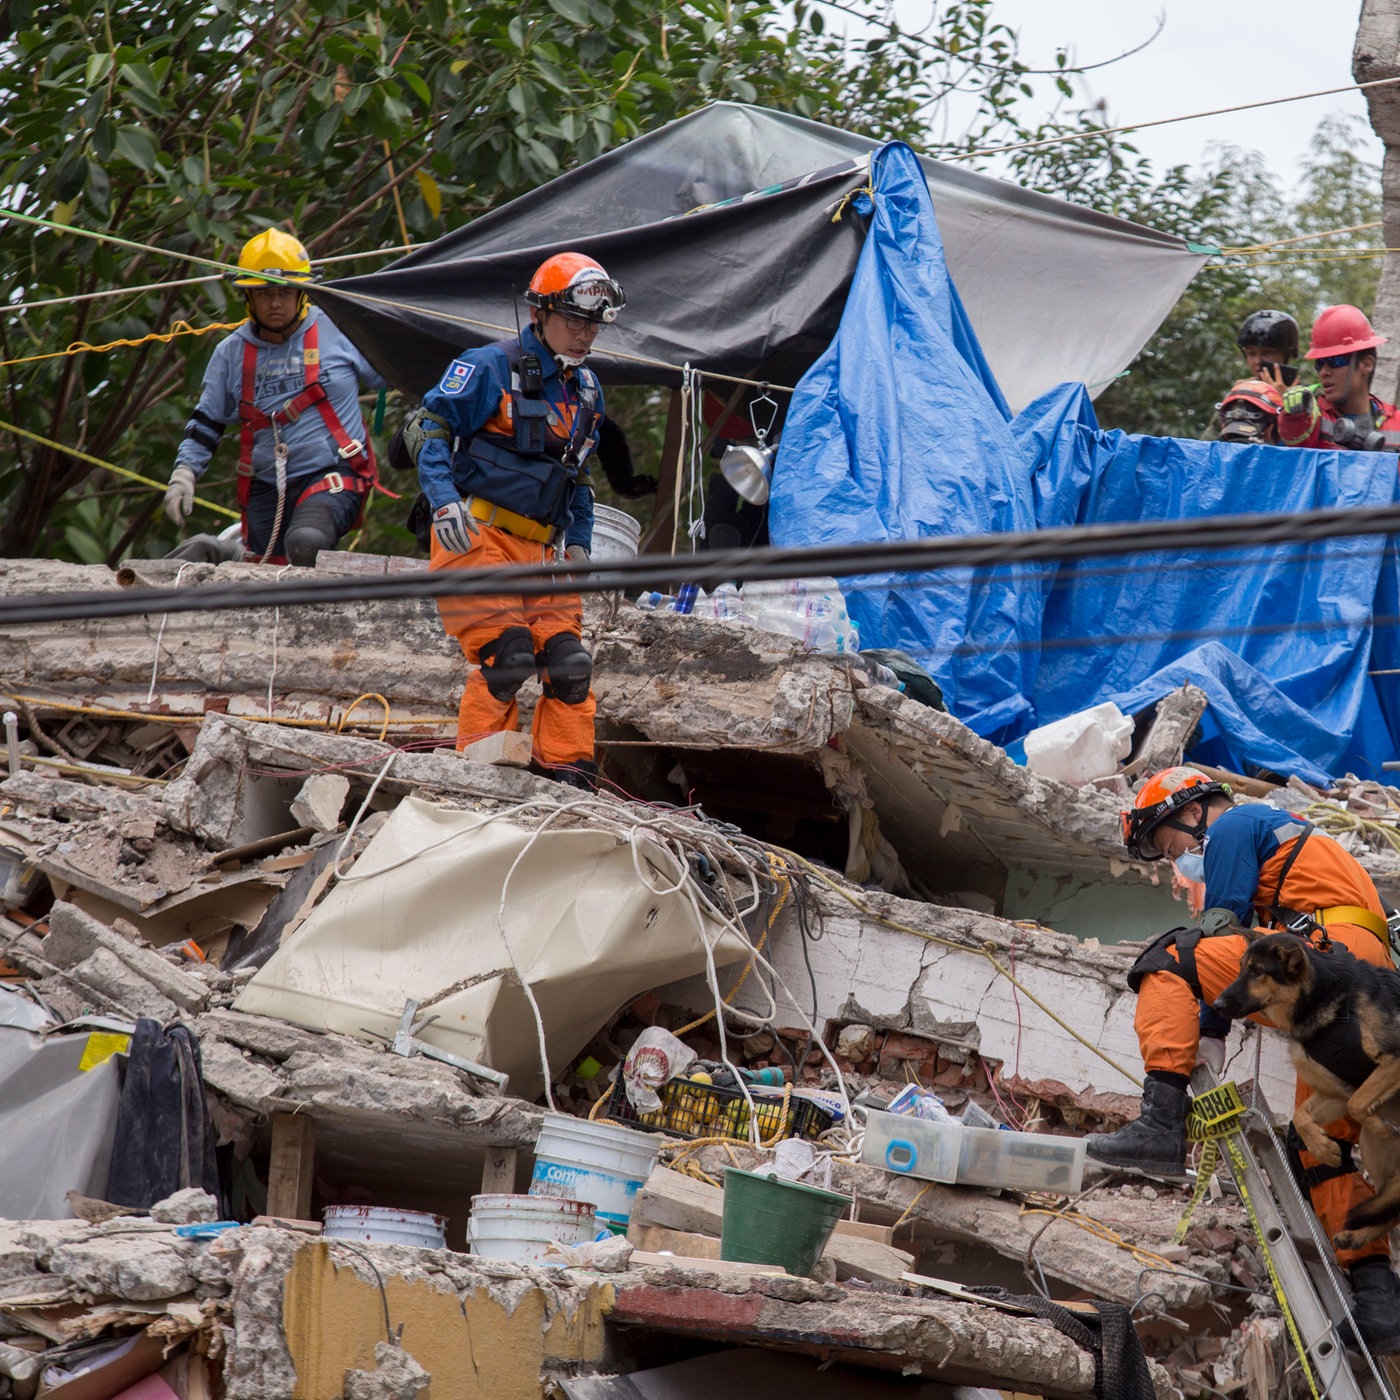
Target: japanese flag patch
458, 375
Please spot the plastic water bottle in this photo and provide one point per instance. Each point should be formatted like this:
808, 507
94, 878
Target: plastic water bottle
649, 602
685, 599
728, 602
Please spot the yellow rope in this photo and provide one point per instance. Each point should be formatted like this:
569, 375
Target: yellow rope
1106, 1233
1301, 238
81, 347
109, 466
775, 863
368, 695
910, 1208
181, 720
986, 951
1333, 819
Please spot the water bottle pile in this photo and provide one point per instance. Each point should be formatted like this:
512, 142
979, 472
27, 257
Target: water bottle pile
811, 610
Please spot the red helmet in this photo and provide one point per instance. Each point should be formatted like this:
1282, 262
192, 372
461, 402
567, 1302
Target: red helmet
1259, 392
1341, 330
572, 283
1157, 799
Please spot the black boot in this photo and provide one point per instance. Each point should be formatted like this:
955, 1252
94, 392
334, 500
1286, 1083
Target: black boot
1156, 1142
582, 773
1375, 1304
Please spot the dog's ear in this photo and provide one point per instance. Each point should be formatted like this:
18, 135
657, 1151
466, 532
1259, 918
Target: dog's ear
1292, 955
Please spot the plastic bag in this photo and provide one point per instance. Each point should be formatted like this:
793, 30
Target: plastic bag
656, 1057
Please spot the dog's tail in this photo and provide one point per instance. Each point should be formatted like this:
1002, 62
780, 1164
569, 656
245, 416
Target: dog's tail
1383, 1209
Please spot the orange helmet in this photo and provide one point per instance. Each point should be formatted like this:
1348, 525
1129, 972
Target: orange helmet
574, 284
1341, 330
1157, 799
1249, 412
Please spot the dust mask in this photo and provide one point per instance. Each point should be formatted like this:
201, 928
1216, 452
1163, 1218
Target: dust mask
1191, 866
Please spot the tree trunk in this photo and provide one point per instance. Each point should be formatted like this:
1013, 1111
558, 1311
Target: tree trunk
1377, 55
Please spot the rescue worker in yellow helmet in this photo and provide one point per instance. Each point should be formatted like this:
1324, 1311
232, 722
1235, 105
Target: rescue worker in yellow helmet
524, 414
291, 380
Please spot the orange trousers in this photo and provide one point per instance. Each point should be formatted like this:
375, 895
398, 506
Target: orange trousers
561, 733
1168, 1027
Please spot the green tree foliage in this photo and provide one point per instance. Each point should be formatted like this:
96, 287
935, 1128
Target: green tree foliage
188, 125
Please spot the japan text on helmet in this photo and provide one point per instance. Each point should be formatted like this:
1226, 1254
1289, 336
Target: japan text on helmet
1342, 330
275, 252
1274, 330
575, 285
1249, 412
1162, 795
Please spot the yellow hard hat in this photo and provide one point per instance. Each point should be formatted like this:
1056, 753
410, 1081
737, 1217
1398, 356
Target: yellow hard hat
276, 252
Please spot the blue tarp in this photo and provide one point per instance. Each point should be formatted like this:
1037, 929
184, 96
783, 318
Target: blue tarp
900, 432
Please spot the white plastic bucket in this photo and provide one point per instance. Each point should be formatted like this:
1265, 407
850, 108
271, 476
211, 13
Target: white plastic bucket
1090, 744
615, 534
583, 1161
384, 1225
521, 1228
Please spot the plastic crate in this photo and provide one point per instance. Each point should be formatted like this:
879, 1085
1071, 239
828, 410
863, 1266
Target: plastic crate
691, 1110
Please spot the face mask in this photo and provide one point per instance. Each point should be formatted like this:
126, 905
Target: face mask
570, 361
1191, 866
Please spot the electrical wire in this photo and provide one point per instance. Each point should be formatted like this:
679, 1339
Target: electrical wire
719, 566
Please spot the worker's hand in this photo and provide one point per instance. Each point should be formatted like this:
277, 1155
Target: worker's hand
1211, 1052
1297, 399
179, 495
577, 554
455, 527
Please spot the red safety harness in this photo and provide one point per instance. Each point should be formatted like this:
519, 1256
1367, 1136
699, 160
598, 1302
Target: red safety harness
361, 474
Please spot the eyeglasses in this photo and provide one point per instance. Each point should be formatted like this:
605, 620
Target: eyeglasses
1332, 361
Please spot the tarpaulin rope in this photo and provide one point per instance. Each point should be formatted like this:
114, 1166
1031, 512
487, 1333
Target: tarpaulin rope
108, 466
1301, 238
82, 347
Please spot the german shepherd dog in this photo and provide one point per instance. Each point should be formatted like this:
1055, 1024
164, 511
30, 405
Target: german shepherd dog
1342, 1019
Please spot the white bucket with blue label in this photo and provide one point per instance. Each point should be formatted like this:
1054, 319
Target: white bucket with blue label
583, 1161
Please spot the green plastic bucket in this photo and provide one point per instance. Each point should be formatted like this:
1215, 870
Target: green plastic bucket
771, 1221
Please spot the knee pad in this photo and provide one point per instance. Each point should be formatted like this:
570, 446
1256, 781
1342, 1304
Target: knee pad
508, 662
566, 669
313, 528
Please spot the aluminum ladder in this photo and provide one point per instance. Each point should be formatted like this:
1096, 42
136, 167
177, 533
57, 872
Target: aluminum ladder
1302, 1254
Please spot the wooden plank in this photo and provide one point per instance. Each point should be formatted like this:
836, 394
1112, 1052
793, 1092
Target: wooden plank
657, 1239
291, 1165
498, 1171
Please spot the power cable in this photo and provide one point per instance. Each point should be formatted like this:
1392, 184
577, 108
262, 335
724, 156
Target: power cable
720, 566
1164, 121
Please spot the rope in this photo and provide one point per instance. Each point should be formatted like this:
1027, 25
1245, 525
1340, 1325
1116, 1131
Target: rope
1167, 121
368, 695
1106, 1233
1302, 238
38, 222
986, 950
109, 466
81, 347
179, 720
1338, 820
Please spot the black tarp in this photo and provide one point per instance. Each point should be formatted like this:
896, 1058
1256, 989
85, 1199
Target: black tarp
753, 282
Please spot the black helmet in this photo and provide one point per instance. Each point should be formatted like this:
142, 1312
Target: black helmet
1275, 330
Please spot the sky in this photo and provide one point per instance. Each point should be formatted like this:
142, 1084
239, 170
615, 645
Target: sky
1209, 54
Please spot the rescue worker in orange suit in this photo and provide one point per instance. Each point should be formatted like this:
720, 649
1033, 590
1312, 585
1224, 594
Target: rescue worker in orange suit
1342, 411
1257, 862
508, 432
291, 380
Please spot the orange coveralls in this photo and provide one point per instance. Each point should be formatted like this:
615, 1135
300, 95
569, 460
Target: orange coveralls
1322, 876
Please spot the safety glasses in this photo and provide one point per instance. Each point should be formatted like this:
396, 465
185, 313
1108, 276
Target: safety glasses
1332, 361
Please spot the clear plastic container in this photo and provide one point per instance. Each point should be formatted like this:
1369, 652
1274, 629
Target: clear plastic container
1025, 1161
909, 1146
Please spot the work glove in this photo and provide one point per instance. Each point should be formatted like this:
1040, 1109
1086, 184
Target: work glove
179, 495
1297, 399
1211, 1051
577, 554
455, 527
